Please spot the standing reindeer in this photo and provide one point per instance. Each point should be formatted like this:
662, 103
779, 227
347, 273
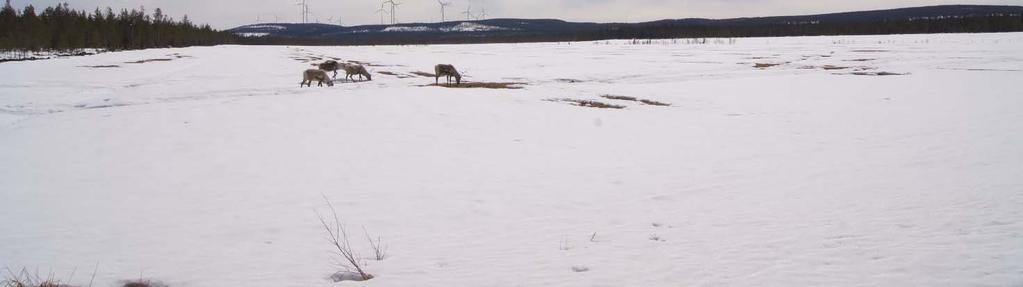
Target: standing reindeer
330, 66
317, 75
449, 71
355, 69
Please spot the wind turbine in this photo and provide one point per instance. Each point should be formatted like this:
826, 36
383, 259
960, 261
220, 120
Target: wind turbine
305, 11
483, 11
394, 5
468, 13
442, 6
331, 20
483, 14
381, 11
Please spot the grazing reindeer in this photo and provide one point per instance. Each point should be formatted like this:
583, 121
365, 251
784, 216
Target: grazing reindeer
355, 69
318, 75
330, 66
449, 71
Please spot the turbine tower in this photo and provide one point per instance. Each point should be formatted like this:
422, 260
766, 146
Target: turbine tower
381, 11
483, 11
443, 5
394, 6
468, 13
305, 11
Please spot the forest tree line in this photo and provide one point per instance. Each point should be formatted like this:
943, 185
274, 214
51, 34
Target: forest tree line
670, 30
61, 28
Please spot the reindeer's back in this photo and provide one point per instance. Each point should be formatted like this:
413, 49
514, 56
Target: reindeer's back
314, 74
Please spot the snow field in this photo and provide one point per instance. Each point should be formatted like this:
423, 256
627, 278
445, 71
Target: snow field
206, 168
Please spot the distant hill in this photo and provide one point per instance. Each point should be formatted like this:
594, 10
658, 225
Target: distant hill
933, 19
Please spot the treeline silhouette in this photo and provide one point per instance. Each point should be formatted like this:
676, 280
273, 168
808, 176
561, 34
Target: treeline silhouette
62, 29
827, 25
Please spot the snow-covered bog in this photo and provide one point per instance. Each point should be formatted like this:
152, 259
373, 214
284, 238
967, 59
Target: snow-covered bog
834, 161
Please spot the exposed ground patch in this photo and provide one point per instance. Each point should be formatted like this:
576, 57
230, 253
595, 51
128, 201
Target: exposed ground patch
764, 65
149, 61
826, 67
480, 85
101, 66
389, 73
369, 64
588, 104
570, 81
634, 99
423, 74
877, 74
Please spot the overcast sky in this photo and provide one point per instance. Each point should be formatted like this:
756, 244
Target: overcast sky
224, 14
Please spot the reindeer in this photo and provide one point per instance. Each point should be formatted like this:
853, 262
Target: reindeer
330, 66
449, 71
355, 69
318, 75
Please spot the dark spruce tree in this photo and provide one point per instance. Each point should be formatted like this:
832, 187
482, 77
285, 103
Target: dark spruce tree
64, 30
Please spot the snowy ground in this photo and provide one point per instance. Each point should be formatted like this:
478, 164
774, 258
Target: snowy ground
206, 166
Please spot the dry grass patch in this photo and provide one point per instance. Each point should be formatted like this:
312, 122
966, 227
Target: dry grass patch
101, 66
634, 99
480, 85
389, 73
877, 74
570, 81
831, 67
589, 104
620, 98
149, 60
144, 283
654, 103
424, 74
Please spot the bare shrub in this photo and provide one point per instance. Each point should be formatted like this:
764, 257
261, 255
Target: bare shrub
337, 235
379, 250
24, 278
